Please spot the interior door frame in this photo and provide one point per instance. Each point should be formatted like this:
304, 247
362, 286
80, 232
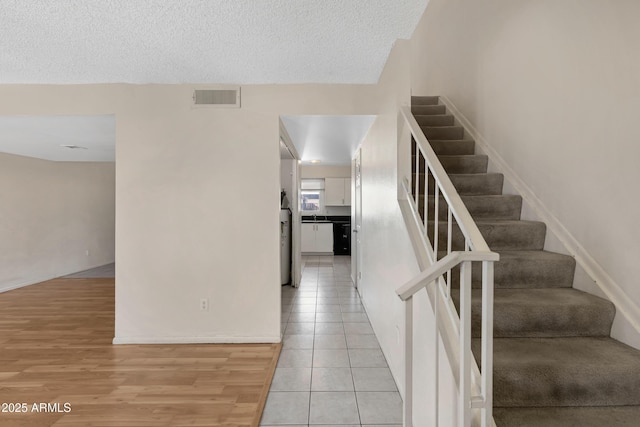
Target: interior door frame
294, 201
356, 219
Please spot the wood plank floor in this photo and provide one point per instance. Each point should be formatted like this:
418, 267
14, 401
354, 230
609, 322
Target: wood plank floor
55, 347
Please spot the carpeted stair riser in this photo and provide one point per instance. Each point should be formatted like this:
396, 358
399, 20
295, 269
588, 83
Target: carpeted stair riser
554, 364
532, 269
619, 416
443, 132
482, 185
453, 147
448, 147
482, 207
525, 270
472, 184
499, 235
423, 110
478, 184
425, 100
513, 235
542, 313
435, 120
577, 371
464, 164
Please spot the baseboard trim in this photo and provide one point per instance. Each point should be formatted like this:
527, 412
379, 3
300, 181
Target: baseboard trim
19, 285
612, 290
196, 340
11, 286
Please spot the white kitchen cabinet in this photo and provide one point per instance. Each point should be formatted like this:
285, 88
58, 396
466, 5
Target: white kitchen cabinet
337, 191
308, 238
316, 238
347, 191
324, 237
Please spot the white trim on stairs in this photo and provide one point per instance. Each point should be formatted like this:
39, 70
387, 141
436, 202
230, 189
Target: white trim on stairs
624, 305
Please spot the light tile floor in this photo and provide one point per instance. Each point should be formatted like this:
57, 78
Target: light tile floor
331, 371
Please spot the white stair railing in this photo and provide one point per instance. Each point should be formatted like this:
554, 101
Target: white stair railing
475, 388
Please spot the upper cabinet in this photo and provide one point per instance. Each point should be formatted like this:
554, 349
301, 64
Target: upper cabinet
337, 191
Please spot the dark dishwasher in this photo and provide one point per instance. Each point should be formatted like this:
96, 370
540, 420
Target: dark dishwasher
341, 238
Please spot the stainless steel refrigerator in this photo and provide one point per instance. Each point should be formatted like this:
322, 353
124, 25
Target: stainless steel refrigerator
285, 246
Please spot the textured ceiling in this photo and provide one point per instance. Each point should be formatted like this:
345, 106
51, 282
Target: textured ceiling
198, 41
331, 139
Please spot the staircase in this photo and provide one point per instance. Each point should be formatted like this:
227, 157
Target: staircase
554, 362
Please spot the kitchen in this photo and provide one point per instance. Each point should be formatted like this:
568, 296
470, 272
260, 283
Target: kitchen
317, 164
326, 210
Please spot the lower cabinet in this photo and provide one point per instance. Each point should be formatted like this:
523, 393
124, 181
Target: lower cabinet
308, 238
316, 237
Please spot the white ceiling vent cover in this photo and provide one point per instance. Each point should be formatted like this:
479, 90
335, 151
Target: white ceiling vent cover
225, 97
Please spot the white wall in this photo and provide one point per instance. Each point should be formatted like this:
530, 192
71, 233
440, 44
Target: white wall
553, 88
188, 182
388, 259
317, 171
51, 214
204, 173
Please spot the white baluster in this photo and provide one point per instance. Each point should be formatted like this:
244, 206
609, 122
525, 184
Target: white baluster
408, 362
464, 404
487, 343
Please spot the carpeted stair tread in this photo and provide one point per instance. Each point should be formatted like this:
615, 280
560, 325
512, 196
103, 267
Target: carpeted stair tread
554, 362
499, 235
594, 416
435, 120
526, 270
478, 184
504, 206
577, 371
453, 147
513, 235
443, 132
548, 313
428, 109
424, 100
560, 312
466, 164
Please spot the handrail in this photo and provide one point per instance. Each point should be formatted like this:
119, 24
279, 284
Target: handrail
475, 386
436, 270
459, 210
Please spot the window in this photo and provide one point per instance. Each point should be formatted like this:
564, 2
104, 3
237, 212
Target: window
310, 201
312, 195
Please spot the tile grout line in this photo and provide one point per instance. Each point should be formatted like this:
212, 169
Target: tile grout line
330, 284
313, 351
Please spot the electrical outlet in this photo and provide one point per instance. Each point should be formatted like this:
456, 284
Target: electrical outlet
204, 304
86, 252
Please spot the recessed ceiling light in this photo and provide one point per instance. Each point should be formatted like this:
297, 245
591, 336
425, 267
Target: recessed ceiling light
315, 161
74, 147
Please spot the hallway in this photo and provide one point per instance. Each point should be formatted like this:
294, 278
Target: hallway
331, 371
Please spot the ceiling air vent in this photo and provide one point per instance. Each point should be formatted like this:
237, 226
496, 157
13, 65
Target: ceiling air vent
227, 97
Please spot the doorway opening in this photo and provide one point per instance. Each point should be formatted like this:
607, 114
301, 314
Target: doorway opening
326, 147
